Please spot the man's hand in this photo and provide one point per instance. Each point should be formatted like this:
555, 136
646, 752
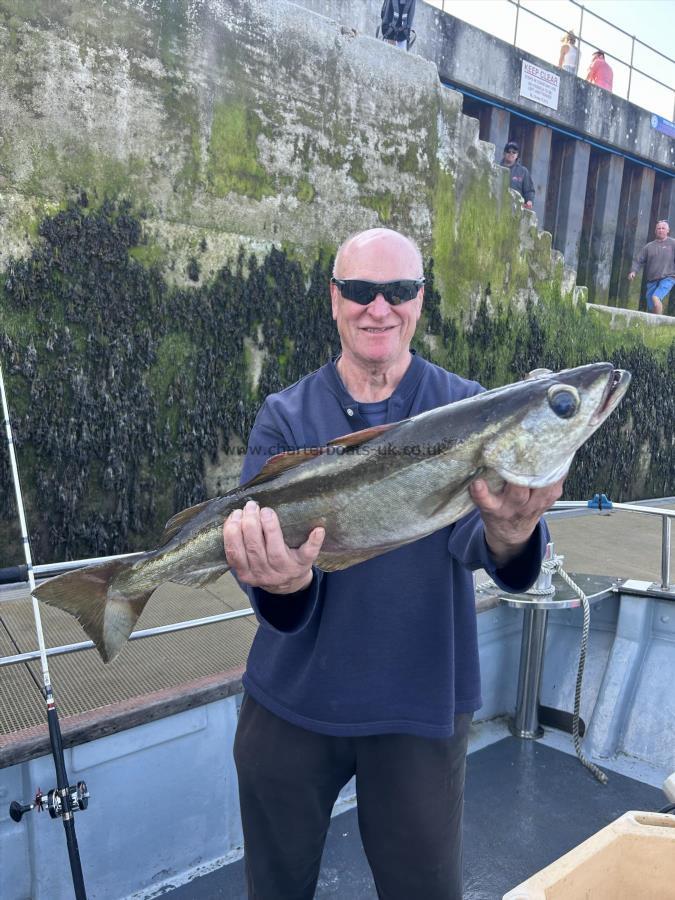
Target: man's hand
511, 516
528, 204
256, 551
631, 276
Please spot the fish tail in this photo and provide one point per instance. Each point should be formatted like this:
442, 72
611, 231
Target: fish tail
107, 614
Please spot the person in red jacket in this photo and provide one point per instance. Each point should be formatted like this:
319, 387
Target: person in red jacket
600, 72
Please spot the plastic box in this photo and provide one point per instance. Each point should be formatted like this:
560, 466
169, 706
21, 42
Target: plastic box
632, 857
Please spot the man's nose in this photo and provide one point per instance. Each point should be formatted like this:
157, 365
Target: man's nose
379, 306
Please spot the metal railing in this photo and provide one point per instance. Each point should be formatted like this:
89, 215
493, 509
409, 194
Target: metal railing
134, 636
587, 21
667, 515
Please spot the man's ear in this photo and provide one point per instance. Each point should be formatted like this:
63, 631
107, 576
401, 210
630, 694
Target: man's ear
334, 299
420, 301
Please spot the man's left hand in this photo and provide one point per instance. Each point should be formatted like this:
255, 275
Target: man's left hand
511, 515
528, 204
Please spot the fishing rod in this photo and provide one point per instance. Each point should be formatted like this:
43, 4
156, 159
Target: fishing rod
65, 799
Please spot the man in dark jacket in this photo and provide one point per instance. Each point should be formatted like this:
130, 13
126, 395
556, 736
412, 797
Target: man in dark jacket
521, 180
373, 669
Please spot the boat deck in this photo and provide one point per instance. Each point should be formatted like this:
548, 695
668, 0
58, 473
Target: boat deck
164, 674
541, 795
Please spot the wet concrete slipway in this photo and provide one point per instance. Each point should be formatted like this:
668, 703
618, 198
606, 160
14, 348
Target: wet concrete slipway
153, 739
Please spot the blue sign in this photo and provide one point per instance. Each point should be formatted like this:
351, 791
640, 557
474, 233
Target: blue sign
661, 124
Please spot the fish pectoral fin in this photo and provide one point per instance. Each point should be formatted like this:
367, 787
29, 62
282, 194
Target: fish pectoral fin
200, 577
175, 523
450, 494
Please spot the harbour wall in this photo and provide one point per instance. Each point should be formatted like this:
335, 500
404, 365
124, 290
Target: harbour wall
603, 170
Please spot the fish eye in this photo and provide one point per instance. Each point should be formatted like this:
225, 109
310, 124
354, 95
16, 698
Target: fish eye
563, 400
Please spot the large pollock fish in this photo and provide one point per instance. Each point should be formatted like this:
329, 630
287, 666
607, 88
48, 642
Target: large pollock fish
373, 490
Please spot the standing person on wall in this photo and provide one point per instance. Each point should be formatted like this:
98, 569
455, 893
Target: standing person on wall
397, 19
521, 180
569, 53
600, 72
658, 258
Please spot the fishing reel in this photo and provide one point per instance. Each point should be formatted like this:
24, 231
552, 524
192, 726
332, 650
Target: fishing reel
53, 802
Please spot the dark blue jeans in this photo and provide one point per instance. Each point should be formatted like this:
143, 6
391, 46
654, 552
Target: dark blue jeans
410, 793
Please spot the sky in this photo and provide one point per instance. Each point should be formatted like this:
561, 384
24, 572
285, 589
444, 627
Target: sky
651, 21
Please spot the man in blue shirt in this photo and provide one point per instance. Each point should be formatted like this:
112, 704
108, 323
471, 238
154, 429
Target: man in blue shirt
373, 670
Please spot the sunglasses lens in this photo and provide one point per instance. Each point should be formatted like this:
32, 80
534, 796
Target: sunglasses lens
399, 292
364, 292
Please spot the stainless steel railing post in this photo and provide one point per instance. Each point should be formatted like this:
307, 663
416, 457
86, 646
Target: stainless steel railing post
525, 723
665, 553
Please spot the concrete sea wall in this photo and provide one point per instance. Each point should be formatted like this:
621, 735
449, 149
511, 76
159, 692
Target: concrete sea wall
253, 123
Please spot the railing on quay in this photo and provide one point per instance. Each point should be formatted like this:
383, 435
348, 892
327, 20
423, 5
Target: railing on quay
43, 571
667, 515
482, 16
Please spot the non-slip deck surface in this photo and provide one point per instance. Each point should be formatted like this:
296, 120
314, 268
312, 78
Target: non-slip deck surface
526, 805
82, 682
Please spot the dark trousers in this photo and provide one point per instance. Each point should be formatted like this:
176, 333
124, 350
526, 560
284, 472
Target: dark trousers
410, 793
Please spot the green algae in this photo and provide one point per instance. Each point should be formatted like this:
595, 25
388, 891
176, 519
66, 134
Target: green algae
382, 202
232, 155
305, 191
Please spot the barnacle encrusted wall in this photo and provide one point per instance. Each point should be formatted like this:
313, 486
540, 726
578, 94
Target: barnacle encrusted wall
174, 179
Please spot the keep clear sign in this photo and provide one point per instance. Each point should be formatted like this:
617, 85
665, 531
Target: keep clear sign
539, 85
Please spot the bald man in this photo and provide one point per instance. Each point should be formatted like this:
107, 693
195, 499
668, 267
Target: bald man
370, 671
658, 259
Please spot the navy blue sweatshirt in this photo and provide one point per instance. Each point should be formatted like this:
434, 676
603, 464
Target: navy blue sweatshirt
388, 645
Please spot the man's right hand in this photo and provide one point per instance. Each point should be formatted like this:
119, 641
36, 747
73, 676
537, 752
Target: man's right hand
631, 276
256, 551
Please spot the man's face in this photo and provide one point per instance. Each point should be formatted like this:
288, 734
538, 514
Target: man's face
377, 335
661, 231
510, 157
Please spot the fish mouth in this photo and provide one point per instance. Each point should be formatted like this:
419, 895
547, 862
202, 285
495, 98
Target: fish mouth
614, 390
536, 481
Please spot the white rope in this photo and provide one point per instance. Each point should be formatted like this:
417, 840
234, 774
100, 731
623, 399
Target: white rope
548, 567
597, 772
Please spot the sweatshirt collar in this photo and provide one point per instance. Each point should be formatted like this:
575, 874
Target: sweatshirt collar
398, 400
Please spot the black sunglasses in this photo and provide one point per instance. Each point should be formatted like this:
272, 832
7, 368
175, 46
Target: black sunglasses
364, 292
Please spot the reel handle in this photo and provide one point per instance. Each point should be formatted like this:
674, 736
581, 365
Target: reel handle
18, 810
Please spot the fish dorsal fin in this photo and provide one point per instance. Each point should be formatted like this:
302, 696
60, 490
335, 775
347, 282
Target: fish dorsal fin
175, 523
356, 438
275, 465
